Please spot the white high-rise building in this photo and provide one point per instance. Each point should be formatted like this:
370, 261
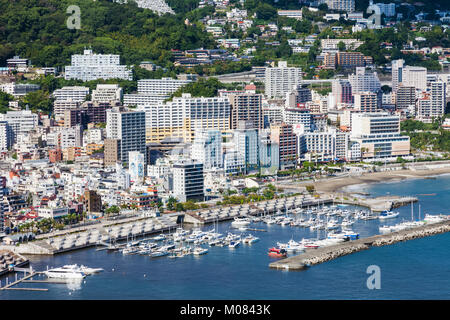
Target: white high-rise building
90, 66
6, 136
21, 122
207, 148
162, 87
71, 137
363, 80
107, 93
379, 136
75, 93
340, 5
397, 73
294, 116
153, 91
387, 9
281, 80
415, 77
431, 105
183, 115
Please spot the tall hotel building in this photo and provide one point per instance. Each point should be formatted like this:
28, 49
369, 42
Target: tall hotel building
182, 116
379, 136
188, 180
397, 73
89, 66
125, 132
281, 80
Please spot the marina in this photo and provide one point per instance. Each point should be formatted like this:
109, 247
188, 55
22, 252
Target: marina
246, 265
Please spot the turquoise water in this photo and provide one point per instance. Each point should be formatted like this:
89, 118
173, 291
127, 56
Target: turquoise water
417, 269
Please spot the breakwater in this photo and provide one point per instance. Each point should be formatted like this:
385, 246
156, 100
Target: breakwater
324, 254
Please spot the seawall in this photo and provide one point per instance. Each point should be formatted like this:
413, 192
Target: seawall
324, 254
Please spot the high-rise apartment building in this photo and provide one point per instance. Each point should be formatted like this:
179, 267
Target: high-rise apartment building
21, 122
340, 5
405, 97
89, 66
281, 80
284, 136
363, 80
76, 93
397, 73
129, 128
188, 180
107, 93
183, 115
415, 77
207, 148
366, 101
246, 107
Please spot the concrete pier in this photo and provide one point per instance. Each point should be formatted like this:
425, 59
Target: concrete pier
324, 254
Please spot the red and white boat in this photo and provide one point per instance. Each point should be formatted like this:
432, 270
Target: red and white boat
277, 252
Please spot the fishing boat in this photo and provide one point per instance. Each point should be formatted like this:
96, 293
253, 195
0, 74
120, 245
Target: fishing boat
388, 215
277, 252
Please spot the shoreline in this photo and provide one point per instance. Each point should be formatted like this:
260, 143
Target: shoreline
338, 184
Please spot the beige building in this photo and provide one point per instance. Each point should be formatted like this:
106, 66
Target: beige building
379, 135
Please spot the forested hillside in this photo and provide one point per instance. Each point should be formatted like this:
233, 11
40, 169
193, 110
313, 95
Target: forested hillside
37, 29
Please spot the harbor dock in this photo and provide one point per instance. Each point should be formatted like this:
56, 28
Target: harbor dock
323, 254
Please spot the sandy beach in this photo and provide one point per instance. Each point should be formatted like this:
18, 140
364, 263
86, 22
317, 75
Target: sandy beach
335, 184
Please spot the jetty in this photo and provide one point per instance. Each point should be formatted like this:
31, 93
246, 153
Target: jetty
323, 254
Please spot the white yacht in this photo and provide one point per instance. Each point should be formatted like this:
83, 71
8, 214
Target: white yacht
82, 269
199, 251
64, 273
388, 215
240, 222
385, 229
433, 218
